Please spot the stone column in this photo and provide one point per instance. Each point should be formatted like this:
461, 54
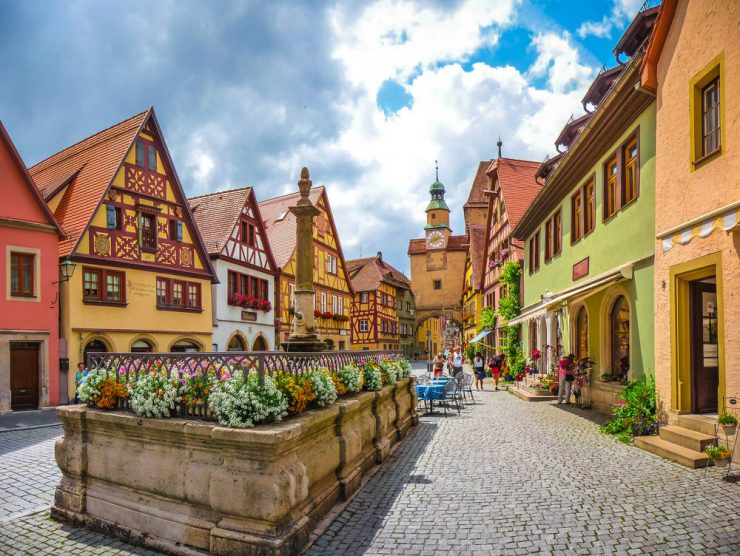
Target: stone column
302, 333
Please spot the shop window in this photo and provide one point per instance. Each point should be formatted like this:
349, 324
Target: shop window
620, 337
142, 346
184, 346
236, 344
582, 334
22, 269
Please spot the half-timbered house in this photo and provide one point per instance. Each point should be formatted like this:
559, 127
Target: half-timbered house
513, 188
330, 277
379, 290
235, 238
144, 282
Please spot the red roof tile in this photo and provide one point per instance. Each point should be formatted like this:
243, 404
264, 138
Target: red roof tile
518, 186
216, 214
96, 160
480, 184
367, 274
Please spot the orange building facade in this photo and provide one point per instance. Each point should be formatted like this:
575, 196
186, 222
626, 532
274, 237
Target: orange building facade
693, 66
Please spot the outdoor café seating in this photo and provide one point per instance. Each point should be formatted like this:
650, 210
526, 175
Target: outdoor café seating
443, 391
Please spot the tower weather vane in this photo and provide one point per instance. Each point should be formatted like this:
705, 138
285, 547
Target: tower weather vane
436, 170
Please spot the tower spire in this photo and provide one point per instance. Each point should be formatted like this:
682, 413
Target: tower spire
436, 171
499, 144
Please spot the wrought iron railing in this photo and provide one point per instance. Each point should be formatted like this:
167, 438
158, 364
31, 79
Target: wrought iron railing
127, 367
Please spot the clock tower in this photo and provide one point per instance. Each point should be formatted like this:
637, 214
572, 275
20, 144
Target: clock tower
437, 229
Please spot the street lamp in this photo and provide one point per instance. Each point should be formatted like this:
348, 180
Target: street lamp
67, 269
429, 350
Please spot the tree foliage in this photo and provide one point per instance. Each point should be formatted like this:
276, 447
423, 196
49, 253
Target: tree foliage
510, 307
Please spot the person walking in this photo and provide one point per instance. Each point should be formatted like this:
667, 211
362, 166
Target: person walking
457, 363
438, 365
479, 368
80, 373
495, 365
565, 379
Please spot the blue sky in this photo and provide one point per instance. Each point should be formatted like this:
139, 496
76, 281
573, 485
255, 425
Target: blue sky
367, 94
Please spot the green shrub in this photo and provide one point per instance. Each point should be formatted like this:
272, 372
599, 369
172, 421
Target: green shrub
635, 407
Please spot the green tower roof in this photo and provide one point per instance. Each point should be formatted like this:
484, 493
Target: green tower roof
437, 204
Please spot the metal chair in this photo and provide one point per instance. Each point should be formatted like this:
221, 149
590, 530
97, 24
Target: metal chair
450, 395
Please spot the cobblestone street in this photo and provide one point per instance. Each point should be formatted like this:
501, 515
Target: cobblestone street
506, 477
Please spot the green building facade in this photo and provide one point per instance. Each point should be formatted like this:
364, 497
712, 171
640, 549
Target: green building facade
589, 244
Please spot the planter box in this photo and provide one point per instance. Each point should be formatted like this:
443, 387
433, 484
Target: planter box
186, 486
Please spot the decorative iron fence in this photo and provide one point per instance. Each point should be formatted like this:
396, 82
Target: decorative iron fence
127, 367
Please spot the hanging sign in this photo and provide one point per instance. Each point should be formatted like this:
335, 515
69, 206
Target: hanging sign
580, 269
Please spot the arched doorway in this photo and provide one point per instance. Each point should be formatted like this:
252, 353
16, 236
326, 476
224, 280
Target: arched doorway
581, 346
259, 344
184, 346
236, 344
142, 346
619, 337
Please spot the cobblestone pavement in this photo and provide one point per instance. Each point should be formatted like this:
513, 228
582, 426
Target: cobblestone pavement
28, 472
511, 477
506, 477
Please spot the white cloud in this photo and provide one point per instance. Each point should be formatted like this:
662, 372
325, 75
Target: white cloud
621, 12
559, 59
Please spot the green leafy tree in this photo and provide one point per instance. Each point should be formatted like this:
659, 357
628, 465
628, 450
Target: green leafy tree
487, 319
510, 307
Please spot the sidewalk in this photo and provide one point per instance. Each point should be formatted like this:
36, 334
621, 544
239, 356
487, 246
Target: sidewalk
25, 420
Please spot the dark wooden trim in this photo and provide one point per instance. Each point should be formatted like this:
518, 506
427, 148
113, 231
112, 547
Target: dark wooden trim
140, 265
179, 309
104, 303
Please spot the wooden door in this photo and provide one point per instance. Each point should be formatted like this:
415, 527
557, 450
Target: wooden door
704, 347
24, 376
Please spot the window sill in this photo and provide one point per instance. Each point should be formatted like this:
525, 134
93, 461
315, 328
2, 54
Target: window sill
152, 250
179, 308
105, 303
23, 295
707, 157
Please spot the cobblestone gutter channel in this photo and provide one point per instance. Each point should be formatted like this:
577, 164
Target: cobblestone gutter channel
183, 485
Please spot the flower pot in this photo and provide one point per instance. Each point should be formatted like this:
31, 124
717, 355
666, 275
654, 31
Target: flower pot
721, 462
729, 430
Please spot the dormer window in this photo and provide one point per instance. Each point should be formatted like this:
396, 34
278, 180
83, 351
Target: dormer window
152, 158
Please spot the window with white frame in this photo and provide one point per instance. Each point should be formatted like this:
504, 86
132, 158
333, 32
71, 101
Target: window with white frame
331, 263
322, 297
363, 325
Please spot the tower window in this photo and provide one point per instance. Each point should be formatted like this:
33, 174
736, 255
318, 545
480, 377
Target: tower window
438, 284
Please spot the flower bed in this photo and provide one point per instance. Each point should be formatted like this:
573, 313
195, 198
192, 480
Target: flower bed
235, 396
185, 485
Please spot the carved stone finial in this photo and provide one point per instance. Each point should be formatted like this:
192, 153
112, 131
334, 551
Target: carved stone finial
304, 184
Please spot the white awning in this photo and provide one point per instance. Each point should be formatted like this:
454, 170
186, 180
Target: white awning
480, 336
530, 312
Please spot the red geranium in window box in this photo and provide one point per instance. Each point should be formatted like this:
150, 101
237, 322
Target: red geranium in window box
327, 315
317, 313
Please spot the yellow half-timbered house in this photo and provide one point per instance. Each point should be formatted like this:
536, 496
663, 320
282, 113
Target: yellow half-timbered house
143, 278
330, 277
472, 300
379, 289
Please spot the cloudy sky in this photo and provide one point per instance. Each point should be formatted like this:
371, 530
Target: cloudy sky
366, 94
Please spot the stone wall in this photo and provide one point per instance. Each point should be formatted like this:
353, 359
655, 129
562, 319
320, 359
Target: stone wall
186, 486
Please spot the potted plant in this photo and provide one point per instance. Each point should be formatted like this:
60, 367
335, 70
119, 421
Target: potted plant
718, 454
729, 423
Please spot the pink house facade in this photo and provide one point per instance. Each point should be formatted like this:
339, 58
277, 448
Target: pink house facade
29, 303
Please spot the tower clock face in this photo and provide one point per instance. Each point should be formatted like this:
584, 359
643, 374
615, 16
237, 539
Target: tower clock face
435, 239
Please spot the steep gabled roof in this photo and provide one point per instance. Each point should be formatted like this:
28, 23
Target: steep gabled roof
368, 273
480, 184
92, 164
280, 225
28, 180
89, 167
216, 214
516, 178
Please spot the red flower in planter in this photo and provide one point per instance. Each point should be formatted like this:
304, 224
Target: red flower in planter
535, 354
236, 299
317, 313
327, 314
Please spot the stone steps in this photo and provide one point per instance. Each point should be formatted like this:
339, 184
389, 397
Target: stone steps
674, 452
687, 438
527, 396
698, 423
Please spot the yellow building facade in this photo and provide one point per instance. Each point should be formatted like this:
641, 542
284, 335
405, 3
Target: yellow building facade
333, 292
142, 281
